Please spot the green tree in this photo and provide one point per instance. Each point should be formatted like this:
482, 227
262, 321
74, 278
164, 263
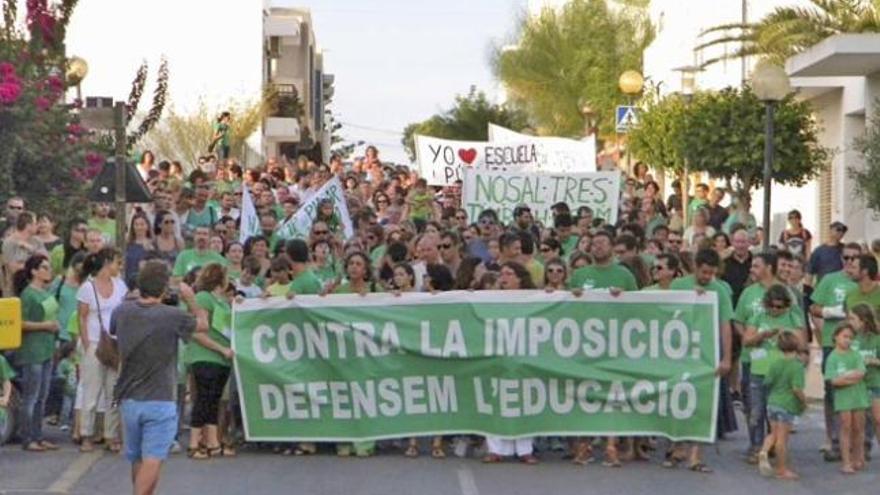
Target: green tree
670, 132
567, 57
45, 155
867, 178
185, 136
467, 120
790, 30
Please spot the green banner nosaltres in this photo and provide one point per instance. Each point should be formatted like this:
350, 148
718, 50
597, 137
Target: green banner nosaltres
511, 364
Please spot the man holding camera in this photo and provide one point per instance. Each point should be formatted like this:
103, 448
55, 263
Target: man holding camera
147, 332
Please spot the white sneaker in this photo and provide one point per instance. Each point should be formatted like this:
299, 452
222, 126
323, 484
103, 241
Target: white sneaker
764, 466
175, 447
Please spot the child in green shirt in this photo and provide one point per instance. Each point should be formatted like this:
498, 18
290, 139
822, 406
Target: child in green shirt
786, 400
6, 376
867, 343
845, 369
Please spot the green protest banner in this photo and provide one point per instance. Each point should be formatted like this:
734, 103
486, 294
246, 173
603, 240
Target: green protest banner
503, 191
511, 364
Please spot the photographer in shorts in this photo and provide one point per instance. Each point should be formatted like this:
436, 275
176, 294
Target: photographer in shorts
147, 332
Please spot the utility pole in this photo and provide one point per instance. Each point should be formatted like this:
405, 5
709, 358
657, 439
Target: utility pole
119, 124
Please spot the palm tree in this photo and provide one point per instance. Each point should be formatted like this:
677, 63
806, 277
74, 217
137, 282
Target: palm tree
787, 31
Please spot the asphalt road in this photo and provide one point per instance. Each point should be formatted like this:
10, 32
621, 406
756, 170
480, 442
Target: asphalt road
260, 472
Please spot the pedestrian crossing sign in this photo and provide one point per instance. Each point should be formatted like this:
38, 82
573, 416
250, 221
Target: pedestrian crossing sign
627, 117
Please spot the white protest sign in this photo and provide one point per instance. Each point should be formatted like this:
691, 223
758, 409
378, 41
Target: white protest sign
441, 161
555, 154
503, 191
250, 221
300, 224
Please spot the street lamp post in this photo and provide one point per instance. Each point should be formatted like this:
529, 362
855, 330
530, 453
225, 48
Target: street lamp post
770, 84
688, 87
631, 84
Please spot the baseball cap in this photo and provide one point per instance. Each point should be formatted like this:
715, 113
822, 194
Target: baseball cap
839, 226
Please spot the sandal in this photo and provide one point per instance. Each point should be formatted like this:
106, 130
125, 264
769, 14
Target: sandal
700, 468
34, 447
198, 453
671, 461
583, 454
86, 447
492, 459
214, 451
305, 448
438, 453
229, 451
412, 452
611, 458
113, 447
48, 445
529, 459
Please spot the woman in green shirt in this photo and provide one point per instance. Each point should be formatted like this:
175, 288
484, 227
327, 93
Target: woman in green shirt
211, 357
39, 315
360, 281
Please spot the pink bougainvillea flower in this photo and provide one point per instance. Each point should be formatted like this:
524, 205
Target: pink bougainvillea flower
42, 103
9, 93
55, 84
94, 159
6, 70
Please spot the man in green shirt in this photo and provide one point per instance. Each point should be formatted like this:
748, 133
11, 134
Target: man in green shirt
202, 214
867, 290
199, 255
828, 306
706, 266
304, 280
604, 273
563, 224
101, 221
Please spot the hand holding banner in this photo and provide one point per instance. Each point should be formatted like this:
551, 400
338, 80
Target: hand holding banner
511, 364
504, 191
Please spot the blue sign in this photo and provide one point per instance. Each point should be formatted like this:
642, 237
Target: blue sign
627, 117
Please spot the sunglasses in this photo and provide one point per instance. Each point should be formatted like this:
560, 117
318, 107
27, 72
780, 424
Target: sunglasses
321, 232
849, 258
168, 222
545, 250
555, 270
674, 241
445, 246
778, 306
15, 207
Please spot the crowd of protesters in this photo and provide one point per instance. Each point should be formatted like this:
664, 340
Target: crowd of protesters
411, 237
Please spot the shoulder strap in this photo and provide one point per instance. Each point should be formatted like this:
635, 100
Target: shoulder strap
98, 304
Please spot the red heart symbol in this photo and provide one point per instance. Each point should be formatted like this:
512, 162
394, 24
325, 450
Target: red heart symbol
468, 156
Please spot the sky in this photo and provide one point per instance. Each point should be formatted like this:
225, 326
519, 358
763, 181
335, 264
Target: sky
401, 61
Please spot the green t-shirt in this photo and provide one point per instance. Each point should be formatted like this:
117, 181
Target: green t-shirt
223, 131
306, 283
6, 372
37, 306
832, 291
67, 371
569, 245
326, 273
851, 397
603, 277
205, 218
190, 258
725, 304
220, 317
345, 288
855, 297
784, 377
868, 345
107, 227
421, 206
764, 354
376, 255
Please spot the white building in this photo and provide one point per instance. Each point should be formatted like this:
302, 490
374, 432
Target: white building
293, 65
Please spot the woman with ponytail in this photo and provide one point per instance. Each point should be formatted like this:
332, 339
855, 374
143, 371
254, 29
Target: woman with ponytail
39, 315
101, 292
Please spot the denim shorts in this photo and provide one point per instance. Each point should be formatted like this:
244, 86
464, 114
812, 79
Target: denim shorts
780, 415
150, 428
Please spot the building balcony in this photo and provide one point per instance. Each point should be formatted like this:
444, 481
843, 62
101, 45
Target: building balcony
286, 128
